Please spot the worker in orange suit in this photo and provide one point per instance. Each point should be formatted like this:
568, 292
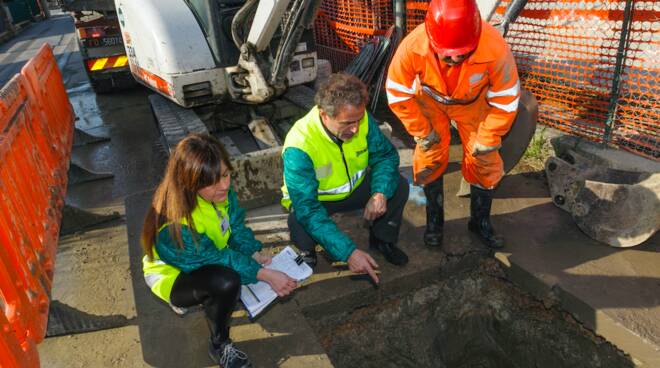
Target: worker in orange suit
455, 66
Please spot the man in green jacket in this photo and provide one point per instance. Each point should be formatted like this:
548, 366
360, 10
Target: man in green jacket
336, 159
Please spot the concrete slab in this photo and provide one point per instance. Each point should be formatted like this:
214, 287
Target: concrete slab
92, 272
279, 337
615, 292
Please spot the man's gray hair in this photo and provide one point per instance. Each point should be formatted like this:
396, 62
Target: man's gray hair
340, 90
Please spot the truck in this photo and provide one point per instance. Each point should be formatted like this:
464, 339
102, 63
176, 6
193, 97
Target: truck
101, 44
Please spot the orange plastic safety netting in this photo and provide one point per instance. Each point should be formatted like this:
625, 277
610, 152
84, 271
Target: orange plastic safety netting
569, 56
342, 24
415, 13
637, 116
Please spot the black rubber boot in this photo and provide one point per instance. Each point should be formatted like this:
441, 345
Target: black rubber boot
435, 213
390, 251
480, 203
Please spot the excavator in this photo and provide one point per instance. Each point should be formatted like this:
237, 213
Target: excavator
197, 52
230, 60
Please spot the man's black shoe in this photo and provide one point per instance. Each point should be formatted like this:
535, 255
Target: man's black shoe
391, 252
228, 356
309, 257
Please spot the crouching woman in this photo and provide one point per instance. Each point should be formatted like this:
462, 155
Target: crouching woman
197, 247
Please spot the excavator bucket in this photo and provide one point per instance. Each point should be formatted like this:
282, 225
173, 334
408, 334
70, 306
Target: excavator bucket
515, 142
616, 207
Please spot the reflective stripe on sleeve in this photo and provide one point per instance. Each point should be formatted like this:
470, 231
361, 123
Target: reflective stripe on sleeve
152, 278
511, 107
394, 99
513, 91
401, 88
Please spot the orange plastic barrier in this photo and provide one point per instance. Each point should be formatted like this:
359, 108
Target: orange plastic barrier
36, 135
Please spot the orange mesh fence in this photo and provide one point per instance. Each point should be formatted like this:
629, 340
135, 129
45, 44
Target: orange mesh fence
637, 119
415, 13
568, 56
36, 133
341, 25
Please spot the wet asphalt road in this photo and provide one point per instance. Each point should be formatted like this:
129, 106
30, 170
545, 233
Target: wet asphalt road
133, 154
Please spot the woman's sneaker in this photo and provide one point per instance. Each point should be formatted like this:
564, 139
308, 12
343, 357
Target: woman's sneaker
180, 311
227, 356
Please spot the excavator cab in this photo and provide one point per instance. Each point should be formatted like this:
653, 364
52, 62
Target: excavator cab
215, 18
199, 52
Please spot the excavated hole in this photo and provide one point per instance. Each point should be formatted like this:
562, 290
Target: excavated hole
470, 319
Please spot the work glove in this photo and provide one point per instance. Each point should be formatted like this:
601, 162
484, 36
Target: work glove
480, 149
427, 142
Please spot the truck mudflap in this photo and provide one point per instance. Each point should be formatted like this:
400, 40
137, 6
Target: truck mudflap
108, 81
616, 207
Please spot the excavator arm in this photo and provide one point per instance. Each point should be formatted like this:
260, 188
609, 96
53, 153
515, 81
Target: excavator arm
257, 77
198, 52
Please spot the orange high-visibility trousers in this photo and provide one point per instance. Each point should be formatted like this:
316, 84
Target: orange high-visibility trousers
484, 170
483, 103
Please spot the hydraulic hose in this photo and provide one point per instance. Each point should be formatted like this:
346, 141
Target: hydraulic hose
237, 23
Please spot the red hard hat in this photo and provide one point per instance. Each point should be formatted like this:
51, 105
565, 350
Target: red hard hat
453, 26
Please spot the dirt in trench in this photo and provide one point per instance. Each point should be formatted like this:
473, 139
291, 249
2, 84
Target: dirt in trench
472, 319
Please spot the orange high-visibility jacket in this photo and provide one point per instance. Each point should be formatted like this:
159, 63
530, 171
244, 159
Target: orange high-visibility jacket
490, 72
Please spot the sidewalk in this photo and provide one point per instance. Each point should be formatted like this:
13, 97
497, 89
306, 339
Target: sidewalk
57, 31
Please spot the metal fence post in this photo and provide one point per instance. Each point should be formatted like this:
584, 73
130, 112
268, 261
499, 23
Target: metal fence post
400, 15
616, 81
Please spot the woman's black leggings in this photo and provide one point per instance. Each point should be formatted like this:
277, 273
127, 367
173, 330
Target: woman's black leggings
215, 287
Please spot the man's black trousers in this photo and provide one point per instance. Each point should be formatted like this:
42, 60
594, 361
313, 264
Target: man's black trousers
385, 228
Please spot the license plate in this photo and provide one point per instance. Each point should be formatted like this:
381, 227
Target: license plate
106, 41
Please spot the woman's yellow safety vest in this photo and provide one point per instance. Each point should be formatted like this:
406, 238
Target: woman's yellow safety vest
339, 169
208, 220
